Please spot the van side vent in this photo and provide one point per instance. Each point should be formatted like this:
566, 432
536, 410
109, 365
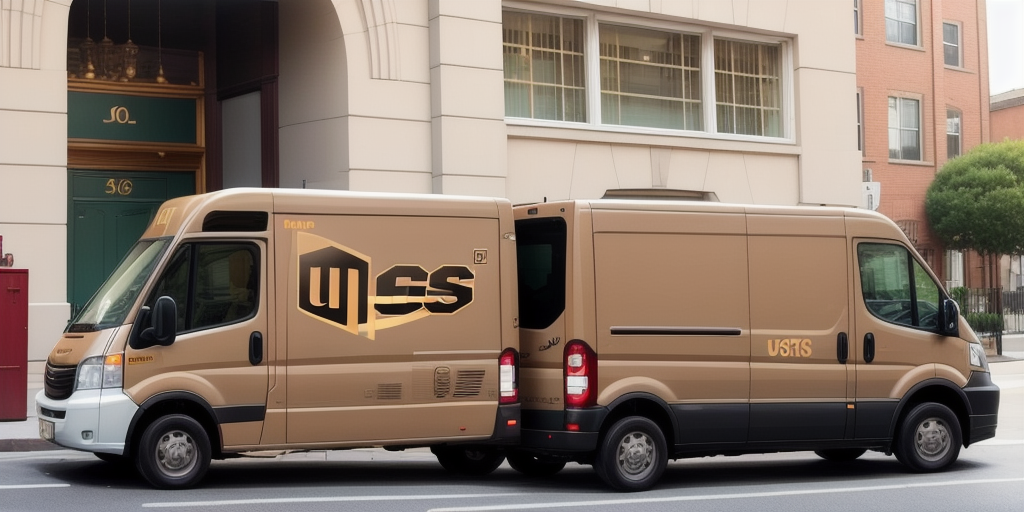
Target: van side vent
442, 381
391, 391
468, 383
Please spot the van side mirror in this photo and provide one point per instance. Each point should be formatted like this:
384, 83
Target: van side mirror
950, 318
162, 326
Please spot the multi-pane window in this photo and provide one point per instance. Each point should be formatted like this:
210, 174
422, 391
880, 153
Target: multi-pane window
650, 78
748, 88
575, 67
904, 129
544, 67
901, 21
953, 138
951, 44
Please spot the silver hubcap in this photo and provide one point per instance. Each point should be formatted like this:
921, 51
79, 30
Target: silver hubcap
636, 455
176, 453
932, 439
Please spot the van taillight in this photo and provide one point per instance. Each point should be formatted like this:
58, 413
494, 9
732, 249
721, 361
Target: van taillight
508, 377
580, 375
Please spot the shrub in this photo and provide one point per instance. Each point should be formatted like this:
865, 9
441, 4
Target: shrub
985, 322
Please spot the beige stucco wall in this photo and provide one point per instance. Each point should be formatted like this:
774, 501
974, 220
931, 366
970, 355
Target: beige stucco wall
407, 96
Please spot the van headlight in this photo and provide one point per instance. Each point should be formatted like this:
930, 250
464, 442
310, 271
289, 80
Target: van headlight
978, 356
99, 372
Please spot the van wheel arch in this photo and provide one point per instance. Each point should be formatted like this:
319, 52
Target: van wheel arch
647, 406
163, 404
938, 391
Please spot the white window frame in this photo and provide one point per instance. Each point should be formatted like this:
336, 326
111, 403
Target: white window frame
959, 44
591, 55
917, 24
959, 135
860, 121
920, 126
858, 18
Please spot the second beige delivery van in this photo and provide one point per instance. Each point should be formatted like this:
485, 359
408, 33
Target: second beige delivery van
652, 331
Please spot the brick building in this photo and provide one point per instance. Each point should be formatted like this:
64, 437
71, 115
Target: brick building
922, 89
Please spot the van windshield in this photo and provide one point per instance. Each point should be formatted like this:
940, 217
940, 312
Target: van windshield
110, 305
540, 250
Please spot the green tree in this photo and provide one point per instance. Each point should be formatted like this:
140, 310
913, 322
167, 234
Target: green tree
977, 200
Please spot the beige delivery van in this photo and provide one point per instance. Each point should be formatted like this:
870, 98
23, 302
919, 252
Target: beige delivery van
660, 330
269, 319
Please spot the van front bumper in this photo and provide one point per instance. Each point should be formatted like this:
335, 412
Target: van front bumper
94, 420
983, 403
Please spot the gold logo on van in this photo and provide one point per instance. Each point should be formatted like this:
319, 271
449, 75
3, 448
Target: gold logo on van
141, 360
789, 348
299, 224
334, 287
64, 351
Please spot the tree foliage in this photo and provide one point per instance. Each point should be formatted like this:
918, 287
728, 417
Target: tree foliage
977, 200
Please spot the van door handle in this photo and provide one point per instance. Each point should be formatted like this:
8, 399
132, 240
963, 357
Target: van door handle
255, 348
842, 348
869, 347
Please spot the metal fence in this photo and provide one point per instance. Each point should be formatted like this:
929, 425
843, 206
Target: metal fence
992, 312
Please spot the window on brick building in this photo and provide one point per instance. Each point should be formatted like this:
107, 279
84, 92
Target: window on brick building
901, 21
860, 120
951, 50
953, 133
857, 21
904, 129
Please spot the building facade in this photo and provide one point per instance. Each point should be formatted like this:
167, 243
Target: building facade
922, 89
108, 107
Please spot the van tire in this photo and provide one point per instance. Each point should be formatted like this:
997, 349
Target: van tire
632, 455
531, 465
174, 452
469, 461
929, 438
840, 454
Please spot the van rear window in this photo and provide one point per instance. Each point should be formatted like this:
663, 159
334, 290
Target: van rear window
541, 246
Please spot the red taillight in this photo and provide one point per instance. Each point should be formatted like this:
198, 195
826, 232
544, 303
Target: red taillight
508, 377
580, 375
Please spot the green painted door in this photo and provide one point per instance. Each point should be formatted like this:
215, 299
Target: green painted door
107, 212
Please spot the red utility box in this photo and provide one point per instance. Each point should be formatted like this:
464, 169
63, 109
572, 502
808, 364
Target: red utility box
13, 344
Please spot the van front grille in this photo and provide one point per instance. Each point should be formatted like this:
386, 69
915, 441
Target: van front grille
59, 381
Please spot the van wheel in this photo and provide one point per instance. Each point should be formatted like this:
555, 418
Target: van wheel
174, 452
929, 438
532, 465
470, 461
840, 454
632, 455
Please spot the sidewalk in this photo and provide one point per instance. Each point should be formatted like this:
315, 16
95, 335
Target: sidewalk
23, 436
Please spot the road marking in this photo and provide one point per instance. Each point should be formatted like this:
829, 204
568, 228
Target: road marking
31, 486
325, 499
999, 442
711, 497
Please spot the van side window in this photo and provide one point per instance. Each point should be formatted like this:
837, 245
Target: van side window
896, 287
540, 251
212, 284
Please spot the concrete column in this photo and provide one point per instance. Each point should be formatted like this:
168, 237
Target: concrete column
467, 99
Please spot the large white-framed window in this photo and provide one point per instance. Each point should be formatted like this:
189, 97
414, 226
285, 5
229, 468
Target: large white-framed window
901, 21
544, 67
952, 50
650, 78
644, 76
954, 270
954, 127
904, 128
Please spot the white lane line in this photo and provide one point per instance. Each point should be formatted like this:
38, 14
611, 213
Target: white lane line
324, 499
999, 442
31, 486
712, 497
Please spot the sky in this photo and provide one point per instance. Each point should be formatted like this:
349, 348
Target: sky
1005, 45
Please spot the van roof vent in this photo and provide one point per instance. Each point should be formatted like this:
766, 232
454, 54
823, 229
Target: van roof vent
660, 194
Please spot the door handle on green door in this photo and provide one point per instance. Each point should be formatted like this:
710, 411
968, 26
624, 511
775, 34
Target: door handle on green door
255, 348
869, 347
